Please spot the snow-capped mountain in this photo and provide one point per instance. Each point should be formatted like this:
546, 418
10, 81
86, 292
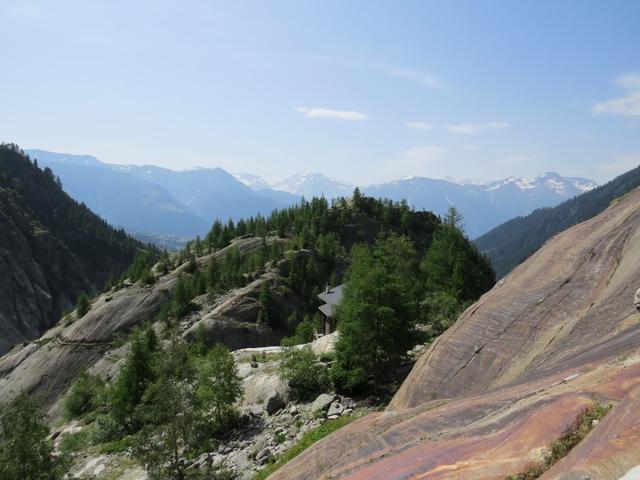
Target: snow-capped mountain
158, 200
254, 182
311, 185
484, 205
550, 181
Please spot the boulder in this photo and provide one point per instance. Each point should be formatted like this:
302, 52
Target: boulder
335, 409
265, 388
322, 402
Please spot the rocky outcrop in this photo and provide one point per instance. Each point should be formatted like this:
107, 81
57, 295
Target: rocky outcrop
47, 366
484, 401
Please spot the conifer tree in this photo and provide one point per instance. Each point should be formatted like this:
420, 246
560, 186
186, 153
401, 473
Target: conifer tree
26, 452
219, 386
82, 305
378, 313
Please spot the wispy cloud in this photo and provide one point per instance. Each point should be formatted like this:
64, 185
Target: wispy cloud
425, 79
424, 126
327, 113
473, 128
627, 105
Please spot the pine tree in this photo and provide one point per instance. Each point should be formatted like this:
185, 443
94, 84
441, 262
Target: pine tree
82, 305
219, 386
26, 453
268, 313
170, 415
378, 313
136, 375
182, 295
213, 273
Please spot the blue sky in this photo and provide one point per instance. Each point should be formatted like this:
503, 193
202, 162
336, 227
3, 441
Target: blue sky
365, 91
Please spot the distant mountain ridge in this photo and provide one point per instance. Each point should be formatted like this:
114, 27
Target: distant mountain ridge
158, 201
483, 205
514, 241
311, 185
154, 200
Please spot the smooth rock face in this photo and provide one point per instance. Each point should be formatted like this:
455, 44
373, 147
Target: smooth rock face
47, 366
322, 402
558, 334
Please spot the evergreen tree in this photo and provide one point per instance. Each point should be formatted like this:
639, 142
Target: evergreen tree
219, 386
378, 313
136, 375
26, 453
164, 263
268, 313
213, 273
454, 265
82, 305
192, 266
182, 295
169, 414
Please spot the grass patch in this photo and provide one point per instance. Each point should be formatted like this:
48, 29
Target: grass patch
617, 199
118, 445
309, 438
569, 439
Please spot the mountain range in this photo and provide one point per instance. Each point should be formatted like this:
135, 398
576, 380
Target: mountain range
162, 202
483, 205
512, 242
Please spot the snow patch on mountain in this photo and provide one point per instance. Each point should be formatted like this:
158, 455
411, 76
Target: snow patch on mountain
310, 184
254, 182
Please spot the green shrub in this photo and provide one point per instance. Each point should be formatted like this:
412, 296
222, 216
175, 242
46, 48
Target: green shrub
120, 445
300, 368
349, 379
74, 442
106, 429
84, 395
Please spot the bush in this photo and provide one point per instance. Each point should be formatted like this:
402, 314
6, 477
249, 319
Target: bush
84, 395
106, 429
73, 442
300, 368
349, 379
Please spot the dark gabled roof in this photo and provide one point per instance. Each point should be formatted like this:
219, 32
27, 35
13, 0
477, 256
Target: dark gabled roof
332, 297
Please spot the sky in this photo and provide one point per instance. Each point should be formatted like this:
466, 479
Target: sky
363, 91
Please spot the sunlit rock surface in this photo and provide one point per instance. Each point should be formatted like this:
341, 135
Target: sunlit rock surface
558, 334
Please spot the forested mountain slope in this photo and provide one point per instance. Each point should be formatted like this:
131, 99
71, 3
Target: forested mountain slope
51, 249
515, 240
